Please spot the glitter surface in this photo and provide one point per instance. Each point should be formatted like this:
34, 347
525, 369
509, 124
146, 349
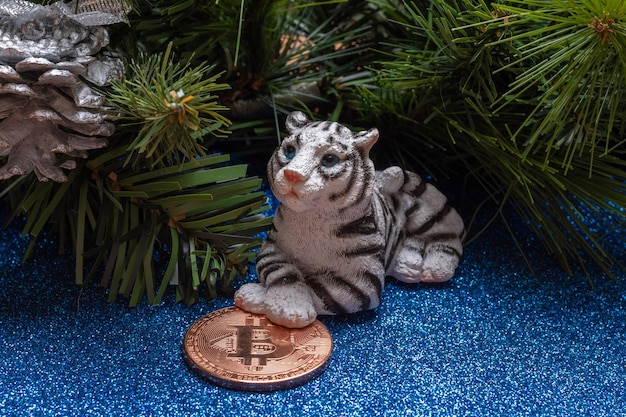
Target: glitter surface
495, 341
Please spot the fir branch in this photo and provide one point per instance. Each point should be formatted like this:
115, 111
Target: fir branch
193, 225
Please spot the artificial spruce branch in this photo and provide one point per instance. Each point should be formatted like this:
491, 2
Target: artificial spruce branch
191, 225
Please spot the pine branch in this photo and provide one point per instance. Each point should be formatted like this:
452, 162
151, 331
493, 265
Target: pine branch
572, 66
174, 105
527, 96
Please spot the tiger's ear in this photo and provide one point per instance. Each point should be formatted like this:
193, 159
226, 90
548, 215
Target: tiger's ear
296, 120
366, 139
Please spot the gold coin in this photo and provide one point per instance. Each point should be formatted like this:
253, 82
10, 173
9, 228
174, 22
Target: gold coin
240, 350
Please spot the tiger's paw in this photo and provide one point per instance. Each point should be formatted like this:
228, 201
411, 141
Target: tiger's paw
290, 317
435, 276
285, 305
290, 306
408, 273
439, 268
407, 266
251, 297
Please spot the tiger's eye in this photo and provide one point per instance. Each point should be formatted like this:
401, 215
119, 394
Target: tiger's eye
289, 152
330, 160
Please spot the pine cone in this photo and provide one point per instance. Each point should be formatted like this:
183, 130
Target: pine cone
47, 105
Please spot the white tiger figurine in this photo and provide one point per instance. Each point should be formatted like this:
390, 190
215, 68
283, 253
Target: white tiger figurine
342, 227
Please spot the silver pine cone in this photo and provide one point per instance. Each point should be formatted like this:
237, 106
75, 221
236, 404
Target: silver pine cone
48, 66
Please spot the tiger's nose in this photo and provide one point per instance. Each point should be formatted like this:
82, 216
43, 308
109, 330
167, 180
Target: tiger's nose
293, 176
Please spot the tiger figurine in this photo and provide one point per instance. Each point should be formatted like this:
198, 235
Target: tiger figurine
342, 227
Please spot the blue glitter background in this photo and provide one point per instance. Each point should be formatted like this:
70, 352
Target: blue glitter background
494, 341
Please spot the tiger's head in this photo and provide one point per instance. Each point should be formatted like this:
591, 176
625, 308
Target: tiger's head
322, 166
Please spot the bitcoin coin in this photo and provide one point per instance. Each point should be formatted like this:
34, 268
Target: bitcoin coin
240, 350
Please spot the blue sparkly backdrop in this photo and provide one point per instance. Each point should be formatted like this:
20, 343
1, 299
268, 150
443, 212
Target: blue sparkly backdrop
495, 341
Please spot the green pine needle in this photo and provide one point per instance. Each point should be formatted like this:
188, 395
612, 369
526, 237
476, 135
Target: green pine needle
174, 105
572, 69
529, 97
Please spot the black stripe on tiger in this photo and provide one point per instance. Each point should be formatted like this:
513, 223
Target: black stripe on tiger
330, 304
416, 206
266, 258
410, 186
442, 247
347, 188
366, 225
331, 176
285, 279
267, 270
375, 282
328, 279
414, 244
419, 190
332, 141
279, 215
438, 240
389, 215
388, 221
281, 274
325, 125
394, 249
396, 202
364, 185
439, 237
373, 249
435, 219
265, 255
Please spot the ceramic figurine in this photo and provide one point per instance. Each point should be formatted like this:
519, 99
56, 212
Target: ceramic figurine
342, 227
